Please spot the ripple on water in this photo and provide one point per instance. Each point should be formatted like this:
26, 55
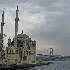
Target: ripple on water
57, 65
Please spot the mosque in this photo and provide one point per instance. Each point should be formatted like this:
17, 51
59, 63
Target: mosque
21, 50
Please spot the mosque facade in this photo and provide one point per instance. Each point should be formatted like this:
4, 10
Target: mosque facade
21, 50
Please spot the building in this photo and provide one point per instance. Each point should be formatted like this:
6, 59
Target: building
41, 57
25, 52
22, 49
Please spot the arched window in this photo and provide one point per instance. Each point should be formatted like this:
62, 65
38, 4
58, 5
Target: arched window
27, 52
21, 52
16, 51
10, 51
24, 52
7, 51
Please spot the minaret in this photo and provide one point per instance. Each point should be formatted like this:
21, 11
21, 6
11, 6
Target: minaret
9, 42
16, 27
2, 24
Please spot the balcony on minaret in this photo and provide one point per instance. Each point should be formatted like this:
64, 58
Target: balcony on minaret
16, 19
2, 23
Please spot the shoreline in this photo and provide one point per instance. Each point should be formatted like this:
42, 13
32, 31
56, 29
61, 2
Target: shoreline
11, 67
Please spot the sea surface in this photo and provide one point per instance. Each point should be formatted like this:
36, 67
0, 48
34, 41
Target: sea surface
56, 65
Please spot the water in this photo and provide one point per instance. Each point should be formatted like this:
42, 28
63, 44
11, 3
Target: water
57, 65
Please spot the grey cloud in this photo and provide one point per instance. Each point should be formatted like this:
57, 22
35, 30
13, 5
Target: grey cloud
46, 21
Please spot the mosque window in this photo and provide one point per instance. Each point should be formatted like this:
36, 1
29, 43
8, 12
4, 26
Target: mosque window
10, 51
29, 47
24, 58
7, 51
27, 52
24, 52
16, 51
21, 52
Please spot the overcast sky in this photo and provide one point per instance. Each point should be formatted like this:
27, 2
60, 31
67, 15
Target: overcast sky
46, 21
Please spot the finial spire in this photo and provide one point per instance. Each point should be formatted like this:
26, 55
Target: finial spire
17, 7
22, 31
3, 17
3, 11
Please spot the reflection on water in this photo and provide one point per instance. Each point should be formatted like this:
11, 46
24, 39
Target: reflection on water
57, 65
